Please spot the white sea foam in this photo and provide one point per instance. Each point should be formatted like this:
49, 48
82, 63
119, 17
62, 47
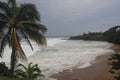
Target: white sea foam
63, 54
53, 41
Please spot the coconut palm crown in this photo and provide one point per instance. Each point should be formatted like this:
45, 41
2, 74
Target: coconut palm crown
18, 21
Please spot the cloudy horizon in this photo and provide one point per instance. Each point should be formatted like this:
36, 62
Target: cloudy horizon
74, 17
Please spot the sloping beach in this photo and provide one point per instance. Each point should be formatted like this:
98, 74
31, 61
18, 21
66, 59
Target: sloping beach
98, 71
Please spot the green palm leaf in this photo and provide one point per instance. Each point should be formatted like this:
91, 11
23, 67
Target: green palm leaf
3, 16
21, 65
35, 35
22, 32
20, 73
28, 11
31, 72
12, 3
3, 21
33, 25
16, 44
4, 7
4, 43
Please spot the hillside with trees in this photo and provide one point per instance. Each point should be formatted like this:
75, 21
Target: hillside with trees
111, 35
97, 36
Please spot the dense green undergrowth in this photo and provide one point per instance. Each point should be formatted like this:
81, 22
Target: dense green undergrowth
5, 78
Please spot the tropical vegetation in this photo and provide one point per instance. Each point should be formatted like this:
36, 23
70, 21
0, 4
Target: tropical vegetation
115, 63
17, 22
112, 35
4, 70
31, 72
6, 78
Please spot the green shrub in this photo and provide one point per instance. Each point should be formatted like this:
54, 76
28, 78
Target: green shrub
4, 71
31, 72
115, 65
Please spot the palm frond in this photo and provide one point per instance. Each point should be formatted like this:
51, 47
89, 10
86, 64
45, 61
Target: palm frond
4, 43
3, 16
29, 11
27, 39
29, 65
35, 35
20, 54
36, 69
30, 72
12, 3
21, 65
4, 7
36, 75
16, 44
42, 28
20, 73
33, 25
2, 23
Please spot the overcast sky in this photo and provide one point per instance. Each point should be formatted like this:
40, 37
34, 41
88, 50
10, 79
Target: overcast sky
74, 17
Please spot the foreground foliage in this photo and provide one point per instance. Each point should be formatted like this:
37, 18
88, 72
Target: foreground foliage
4, 71
115, 65
31, 72
5, 78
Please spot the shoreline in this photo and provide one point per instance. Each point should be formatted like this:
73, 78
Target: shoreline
99, 70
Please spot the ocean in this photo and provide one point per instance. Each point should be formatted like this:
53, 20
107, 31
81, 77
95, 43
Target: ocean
61, 54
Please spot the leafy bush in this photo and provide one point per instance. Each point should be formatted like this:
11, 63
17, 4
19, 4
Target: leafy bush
4, 71
115, 65
31, 72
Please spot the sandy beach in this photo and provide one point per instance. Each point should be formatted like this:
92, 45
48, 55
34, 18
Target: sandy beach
97, 71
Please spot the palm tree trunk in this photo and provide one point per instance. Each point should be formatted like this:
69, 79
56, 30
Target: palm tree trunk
13, 62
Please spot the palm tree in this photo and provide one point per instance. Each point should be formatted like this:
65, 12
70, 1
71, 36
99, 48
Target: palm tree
30, 72
17, 22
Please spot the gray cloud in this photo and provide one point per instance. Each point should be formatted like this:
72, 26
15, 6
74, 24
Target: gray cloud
73, 17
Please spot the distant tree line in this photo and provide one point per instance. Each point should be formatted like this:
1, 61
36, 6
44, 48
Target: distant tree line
111, 35
97, 36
